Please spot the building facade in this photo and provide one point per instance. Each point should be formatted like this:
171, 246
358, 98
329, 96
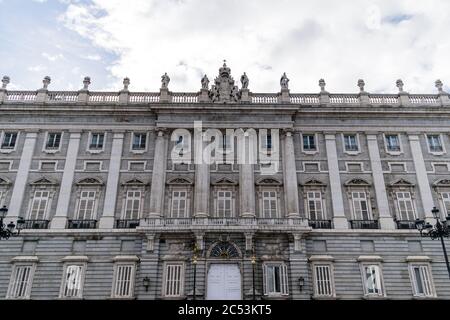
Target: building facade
117, 204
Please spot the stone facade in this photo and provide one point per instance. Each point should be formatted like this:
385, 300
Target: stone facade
111, 213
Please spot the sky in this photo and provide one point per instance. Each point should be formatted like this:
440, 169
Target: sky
339, 41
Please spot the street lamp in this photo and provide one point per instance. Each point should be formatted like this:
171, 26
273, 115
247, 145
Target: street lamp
253, 273
10, 229
440, 230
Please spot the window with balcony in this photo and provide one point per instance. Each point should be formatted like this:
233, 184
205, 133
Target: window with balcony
9, 140
405, 206
139, 141
392, 143
315, 206
361, 210
73, 277
269, 202
97, 141
224, 204
53, 141
435, 143
351, 143
309, 143
275, 279
87, 205
173, 284
39, 205
179, 204
445, 203
21, 281
422, 282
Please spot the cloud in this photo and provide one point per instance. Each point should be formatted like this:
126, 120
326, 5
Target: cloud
52, 58
93, 57
37, 68
340, 41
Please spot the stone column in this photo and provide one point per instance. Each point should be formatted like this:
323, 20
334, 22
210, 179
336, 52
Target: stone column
158, 175
290, 177
386, 221
202, 184
20, 182
60, 219
109, 207
421, 174
339, 218
247, 190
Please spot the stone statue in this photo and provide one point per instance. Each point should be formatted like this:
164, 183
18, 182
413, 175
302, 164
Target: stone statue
244, 81
322, 85
165, 81
234, 94
214, 93
284, 81
399, 84
361, 85
205, 82
438, 83
5, 82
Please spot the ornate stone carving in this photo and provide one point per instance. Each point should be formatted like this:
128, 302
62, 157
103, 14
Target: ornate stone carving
244, 81
91, 181
5, 82
224, 249
284, 81
224, 90
205, 82
357, 182
43, 181
165, 81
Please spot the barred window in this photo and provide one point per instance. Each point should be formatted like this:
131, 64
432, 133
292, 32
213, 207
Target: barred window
123, 281
421, 280
173, 282
20, 286
72, 285
275, 279
323, 281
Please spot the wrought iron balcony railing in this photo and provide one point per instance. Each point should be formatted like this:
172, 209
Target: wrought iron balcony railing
405, 224
82, 224
127, 223
210, 221
35, 224
364, 224
321, 224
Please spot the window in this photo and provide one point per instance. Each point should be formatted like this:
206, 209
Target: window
446, 203
132, 205
72, 281
224, 204
350, 142
372, 280
405, 206
39, 205
309, 142
275, 279
179, 204
360, 206
123, 281
315, 210
139, 141
86, 207
268, 141
9, 140
226, 142
53, 141
421, 280
21, 280
392, 143
173, 280
323, 281
97, 140
269, 200
434, 143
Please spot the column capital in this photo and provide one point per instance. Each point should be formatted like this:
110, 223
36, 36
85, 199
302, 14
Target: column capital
330, 135
118, 134
161, 131
413, 136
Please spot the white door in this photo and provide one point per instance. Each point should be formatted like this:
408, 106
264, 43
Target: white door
224, 282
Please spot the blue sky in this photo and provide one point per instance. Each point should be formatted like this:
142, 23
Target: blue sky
340, 41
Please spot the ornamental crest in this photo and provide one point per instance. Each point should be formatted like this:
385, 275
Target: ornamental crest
224, 90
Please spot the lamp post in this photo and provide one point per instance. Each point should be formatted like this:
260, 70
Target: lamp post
10, 229
194, 262
253, 273
440, 230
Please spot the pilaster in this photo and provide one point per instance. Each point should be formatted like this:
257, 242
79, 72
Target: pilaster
290, 176
158, 175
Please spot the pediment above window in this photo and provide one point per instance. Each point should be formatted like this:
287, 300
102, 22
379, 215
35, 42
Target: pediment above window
442, 183
89, 182
268, 182
180, 181
224, 181
357, 182
134, 182
401, 183
4, 182
314, 183
43, 181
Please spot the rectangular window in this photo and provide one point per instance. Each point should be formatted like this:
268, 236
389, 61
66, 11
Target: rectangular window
315, 210
405, 206
20, 286
350, 142
434, 143
39, 205
173, 282
275, 279
269, 199
446, 203
392, 142
372, 280
268, 141
226, 142
224, 204
86, 207
132, 205
9, 140
123, 281
53, 140
309, 142
179, 204
323, 281
421, 281
139, 141
97, 140
360, 206
72, 281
